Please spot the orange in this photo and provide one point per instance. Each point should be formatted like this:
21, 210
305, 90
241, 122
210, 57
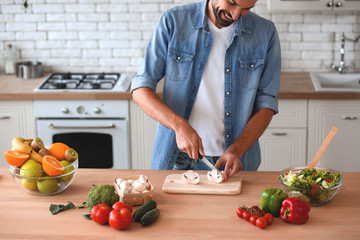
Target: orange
52, 166
16, 158
58, 150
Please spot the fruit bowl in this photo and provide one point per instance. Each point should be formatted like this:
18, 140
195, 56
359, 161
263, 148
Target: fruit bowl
39, 182
317, 185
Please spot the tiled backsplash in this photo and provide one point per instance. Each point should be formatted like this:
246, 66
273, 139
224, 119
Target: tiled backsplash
111, 35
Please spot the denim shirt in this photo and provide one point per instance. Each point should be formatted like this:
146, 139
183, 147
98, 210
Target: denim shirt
178, 51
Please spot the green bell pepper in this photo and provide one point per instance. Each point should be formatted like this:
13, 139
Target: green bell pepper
271, 200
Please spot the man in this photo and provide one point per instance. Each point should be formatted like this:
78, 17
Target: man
221, 65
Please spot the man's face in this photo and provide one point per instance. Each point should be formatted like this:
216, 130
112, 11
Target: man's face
224, 12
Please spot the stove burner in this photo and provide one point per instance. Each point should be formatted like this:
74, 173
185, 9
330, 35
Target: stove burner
105, 81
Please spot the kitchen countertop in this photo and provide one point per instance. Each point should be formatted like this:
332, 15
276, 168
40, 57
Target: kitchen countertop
26, 216
293, 85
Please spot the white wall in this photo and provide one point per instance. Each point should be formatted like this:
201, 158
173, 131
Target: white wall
111, 35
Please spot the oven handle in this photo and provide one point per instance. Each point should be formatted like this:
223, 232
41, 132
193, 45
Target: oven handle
52, 126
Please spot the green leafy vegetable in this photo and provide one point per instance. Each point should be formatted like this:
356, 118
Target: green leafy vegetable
56, 208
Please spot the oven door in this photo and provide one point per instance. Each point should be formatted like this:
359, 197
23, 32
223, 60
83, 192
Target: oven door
100, 143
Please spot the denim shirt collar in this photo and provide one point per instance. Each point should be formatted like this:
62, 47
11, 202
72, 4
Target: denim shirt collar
201, 22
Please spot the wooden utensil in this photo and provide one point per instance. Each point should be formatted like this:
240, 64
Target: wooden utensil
321, 150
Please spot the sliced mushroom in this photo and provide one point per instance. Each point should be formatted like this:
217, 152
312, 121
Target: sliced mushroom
190, 177
215, 176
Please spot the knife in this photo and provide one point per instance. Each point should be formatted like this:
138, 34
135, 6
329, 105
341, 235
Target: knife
204, 159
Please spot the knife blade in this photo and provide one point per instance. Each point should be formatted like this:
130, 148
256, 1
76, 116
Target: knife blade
204, 159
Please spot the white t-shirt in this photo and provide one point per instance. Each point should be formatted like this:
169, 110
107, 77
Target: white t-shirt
207, 115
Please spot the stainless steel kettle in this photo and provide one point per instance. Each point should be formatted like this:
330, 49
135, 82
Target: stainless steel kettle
29, 69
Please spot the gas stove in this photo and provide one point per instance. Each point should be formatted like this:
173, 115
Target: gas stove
85, 82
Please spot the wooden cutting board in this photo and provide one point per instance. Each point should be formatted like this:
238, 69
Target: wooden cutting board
174, 184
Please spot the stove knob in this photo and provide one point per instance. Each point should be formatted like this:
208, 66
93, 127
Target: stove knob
97, 110
65, 110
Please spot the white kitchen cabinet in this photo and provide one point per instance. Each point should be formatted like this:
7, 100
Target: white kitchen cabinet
16, 120
343, 153
142, 133
313, 5
283, 143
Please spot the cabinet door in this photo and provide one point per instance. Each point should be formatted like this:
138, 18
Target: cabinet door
282, 148
298, 5
142, 132
312, 5
16, 120
343, 153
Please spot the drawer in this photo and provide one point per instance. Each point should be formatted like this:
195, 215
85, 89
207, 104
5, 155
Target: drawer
292, 114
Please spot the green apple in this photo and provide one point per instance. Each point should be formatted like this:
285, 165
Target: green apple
47, 185
28, 184
31, 168
68, 168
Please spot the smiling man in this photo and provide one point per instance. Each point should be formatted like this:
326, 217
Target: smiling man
221, 68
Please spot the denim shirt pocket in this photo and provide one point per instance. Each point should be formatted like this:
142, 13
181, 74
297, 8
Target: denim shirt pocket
250, 72
179, 65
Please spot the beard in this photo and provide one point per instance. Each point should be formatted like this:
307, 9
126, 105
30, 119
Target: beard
220, 16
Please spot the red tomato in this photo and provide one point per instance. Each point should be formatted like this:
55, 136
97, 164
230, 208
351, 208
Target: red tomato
261, 222
270, 218
246, 215
239, 212
100, 213
253, 219
120, 205
120, 219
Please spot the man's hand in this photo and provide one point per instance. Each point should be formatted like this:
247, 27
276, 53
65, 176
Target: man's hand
232, 163
188, 140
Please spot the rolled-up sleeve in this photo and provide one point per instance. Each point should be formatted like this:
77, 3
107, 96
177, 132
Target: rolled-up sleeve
153, 67
267, 93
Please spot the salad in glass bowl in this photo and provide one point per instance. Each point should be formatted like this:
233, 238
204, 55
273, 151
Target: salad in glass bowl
316, 185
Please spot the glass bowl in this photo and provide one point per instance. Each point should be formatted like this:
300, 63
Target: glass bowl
38, 182
317, 195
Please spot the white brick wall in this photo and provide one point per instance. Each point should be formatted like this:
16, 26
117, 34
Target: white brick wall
111, 35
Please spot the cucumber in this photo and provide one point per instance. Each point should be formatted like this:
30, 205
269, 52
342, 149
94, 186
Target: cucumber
150, 217
141, 211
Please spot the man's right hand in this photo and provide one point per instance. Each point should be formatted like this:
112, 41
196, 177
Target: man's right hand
188, 140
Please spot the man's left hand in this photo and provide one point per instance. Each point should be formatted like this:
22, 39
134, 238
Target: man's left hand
232, 164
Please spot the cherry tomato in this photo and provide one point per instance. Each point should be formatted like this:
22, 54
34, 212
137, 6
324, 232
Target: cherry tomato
246, 215
239, 212
261, 222
100, 213
120, 219
120, 205
270, 218
253, 219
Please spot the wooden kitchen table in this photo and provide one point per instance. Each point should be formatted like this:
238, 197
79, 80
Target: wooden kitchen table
26, 216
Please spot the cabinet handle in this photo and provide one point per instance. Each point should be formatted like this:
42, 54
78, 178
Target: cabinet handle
278, 133
348, 117
329, 4
338, 4
4, 117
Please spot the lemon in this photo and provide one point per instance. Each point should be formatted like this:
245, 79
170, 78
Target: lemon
68, 168
47, 186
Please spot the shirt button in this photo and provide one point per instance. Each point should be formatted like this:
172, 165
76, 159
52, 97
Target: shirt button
188, 108
194, 88
227, 70
252, 65
227, 114
227, 135
227, 93
201, 66
178, 58
174, 152
207, 45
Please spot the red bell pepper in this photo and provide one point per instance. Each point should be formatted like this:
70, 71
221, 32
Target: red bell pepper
295, 210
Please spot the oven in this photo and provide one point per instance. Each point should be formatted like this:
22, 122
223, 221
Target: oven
97, 129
